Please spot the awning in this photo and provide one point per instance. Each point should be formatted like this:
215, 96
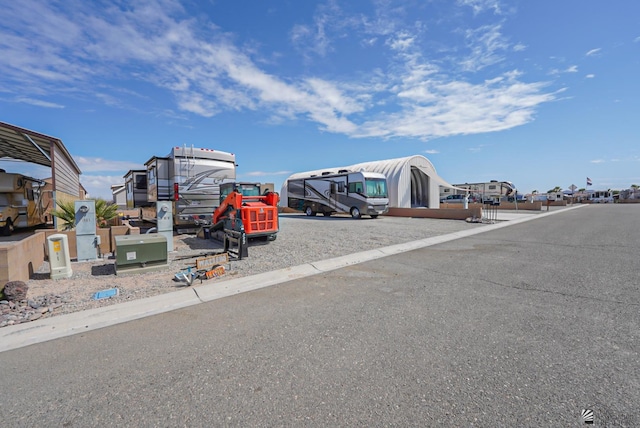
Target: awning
30, 146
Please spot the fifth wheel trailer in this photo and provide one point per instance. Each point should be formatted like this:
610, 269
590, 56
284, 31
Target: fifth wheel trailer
190, 178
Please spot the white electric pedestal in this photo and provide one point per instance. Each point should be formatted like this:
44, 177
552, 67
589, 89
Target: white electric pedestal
59, 259
164, 217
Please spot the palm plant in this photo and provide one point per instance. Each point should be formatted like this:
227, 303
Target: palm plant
66, 212
105, 211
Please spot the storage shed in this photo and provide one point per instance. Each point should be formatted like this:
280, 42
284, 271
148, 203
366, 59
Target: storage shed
412, 181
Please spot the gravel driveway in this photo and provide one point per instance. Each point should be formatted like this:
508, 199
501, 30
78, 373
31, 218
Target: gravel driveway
300, 240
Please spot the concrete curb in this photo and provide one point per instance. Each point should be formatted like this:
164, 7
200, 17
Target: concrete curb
46, 329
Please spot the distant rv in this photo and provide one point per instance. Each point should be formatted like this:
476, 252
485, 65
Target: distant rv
493, 190
356, 193
601, 196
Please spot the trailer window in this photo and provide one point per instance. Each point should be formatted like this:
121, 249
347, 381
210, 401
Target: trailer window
141, 182
376, 188
30, 194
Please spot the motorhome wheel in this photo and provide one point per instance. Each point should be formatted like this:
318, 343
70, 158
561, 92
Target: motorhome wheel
355, 212
308, 211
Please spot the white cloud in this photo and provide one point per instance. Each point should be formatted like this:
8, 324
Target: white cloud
436, 108
263, 173
570, 69
519, 47
598, 161
590, 76
39, 103
479, 6
485, 44
401, 41
593, 52
431, 152
157, 44
99, 186
89, 164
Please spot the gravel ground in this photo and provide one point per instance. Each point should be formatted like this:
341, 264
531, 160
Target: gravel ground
300, 240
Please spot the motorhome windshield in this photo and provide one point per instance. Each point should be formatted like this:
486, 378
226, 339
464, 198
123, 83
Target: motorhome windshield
376, 187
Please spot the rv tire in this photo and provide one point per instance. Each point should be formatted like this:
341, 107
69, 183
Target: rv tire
308, 211
355, 212
327, 213
374, 215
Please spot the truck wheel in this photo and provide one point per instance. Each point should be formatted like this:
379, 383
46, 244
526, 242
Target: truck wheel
7, 229
355, 212
308, 211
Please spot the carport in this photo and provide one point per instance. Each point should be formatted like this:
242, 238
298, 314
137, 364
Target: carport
33, 147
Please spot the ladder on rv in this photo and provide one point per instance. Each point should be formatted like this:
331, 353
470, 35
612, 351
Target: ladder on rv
187, 163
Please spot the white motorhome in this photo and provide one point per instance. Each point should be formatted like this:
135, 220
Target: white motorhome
190, 177
352, 192
20, 202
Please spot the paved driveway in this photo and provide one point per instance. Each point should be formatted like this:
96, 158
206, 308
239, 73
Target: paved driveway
522, 326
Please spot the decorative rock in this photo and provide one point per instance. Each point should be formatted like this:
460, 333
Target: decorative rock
33, 304
15, 291
35, 316
4, 302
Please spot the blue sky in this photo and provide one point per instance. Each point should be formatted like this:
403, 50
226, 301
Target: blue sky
542, 93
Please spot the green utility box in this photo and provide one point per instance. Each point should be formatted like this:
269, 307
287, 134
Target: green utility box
140, 253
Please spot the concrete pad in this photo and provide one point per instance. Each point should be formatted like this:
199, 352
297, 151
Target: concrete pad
218, 290
46, 329
348, 260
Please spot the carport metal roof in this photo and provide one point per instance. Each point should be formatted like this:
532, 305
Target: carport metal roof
30, 146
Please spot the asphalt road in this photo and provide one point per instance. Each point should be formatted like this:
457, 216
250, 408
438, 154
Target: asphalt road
522, 326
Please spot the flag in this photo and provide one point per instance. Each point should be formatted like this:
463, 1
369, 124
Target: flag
589, 183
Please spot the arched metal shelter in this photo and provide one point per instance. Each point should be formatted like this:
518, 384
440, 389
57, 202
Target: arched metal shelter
412, 181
